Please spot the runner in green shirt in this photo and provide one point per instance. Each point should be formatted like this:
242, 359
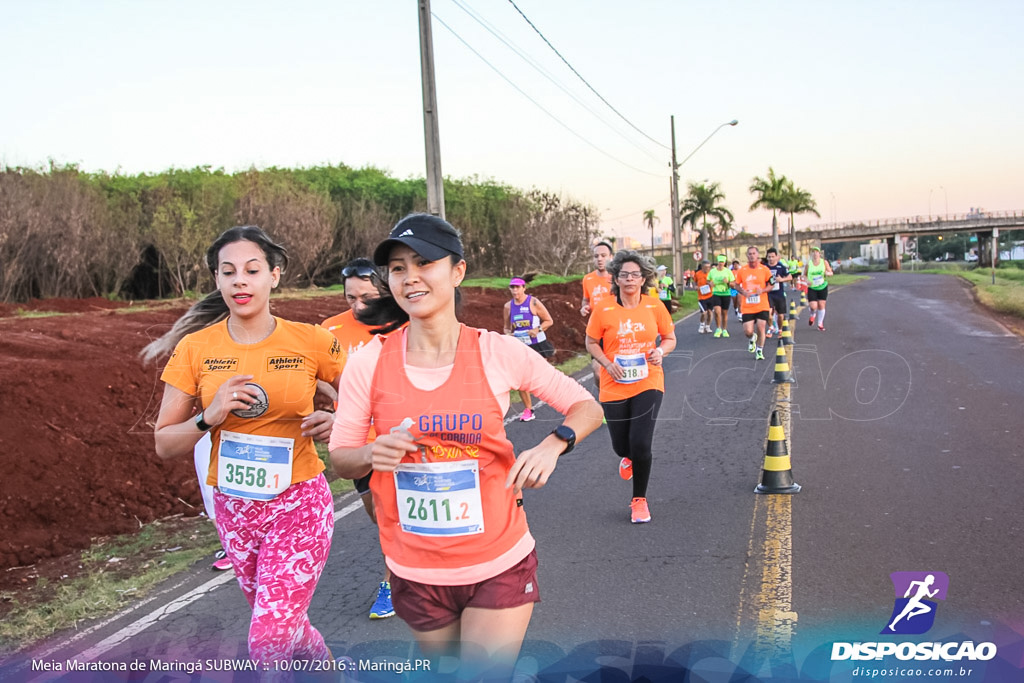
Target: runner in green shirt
815, 273
720, 278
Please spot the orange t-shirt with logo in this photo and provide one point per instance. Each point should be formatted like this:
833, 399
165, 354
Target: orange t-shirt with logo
285, 367
750, 279
596, 287
629, 334
701, 278
352, 334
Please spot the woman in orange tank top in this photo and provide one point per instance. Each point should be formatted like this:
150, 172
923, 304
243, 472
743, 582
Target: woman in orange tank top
447, 482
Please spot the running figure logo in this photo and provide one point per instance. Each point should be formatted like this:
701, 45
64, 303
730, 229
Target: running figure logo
914, 612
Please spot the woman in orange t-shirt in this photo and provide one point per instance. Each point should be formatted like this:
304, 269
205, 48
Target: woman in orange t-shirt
622, 336
248, 378
446, 483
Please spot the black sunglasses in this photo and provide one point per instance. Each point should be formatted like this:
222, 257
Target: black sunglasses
359, 271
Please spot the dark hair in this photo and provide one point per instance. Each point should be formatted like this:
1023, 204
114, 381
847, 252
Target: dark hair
772, 250
212, 308
383, 315
364, 269
602, 243
277, 255
625, 256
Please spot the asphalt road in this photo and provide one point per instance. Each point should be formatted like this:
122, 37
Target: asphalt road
904, 431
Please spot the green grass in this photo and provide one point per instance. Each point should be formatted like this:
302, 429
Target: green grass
103, 584
845, 279
22, 313
502, 282
1006, 295
338, 485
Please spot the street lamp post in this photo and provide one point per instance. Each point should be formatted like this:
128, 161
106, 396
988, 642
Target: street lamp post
677, 238
946, 199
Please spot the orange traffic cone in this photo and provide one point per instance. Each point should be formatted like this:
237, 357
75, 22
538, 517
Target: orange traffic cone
777, 475
782, 373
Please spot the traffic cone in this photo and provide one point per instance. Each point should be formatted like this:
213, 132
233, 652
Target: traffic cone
777, 474
785, 336
803, 298
782, 373
792, 310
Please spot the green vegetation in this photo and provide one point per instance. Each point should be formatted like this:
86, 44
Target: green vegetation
338, 485
22, 313
145, 236
1005, 296
700, 202
502, 282
844, 279
113, 572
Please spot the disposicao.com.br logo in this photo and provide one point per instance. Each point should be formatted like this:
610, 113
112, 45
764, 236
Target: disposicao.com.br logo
913, 613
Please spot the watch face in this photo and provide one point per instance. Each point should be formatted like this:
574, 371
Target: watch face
567, 435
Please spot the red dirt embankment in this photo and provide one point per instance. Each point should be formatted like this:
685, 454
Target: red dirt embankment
77, 409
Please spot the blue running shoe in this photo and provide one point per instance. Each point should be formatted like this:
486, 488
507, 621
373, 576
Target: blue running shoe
382, 608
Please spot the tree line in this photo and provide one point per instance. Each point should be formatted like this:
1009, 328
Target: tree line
68, 233
706, 200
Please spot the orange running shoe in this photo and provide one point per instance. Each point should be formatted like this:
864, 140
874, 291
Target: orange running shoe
626, 469
639, 511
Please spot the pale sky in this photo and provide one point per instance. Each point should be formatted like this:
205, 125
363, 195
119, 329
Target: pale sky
880, 109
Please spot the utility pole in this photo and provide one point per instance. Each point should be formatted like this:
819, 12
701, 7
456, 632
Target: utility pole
431, 136
677, 237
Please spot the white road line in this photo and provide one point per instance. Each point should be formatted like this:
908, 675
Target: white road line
156, 615
187, 599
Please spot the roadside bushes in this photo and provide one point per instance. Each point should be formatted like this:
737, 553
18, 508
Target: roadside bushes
67, 233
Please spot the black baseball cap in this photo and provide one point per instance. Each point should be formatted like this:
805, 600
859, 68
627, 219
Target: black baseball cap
431, 237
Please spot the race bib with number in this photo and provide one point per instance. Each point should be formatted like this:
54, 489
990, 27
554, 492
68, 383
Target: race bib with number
522, 335
439, 499
634, 367
252, 466
705, 289
818, 280
776, 287
755, 299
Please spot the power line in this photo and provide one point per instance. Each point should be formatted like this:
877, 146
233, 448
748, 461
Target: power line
538, 105
543, 72
566, 62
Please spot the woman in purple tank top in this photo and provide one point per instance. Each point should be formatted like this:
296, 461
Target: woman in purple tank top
526, 318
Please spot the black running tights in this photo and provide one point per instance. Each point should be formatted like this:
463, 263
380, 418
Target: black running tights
631, 425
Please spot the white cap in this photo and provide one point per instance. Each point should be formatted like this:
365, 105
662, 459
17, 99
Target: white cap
662, 268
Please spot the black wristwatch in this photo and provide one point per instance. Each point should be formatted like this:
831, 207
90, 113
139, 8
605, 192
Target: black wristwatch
567, 435
201, 423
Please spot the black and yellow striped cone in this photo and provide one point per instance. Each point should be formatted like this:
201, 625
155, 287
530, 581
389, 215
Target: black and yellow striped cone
803, 298
792, 310
782, 373
785, 336
777, 476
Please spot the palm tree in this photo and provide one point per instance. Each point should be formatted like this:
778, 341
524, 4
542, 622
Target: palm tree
769, 190
649, 219
793, 201
724, 228
703, 201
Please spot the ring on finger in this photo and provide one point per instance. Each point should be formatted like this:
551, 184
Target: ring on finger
234, 395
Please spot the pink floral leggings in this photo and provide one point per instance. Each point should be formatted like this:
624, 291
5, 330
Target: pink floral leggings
278, 549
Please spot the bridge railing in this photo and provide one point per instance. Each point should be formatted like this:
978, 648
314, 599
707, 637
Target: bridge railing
979, 217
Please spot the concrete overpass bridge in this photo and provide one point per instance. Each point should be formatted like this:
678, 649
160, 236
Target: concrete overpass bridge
984, 224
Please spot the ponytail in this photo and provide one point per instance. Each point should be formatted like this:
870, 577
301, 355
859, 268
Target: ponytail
209, 310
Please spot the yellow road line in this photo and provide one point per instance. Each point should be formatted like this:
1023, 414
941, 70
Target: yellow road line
765, 613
